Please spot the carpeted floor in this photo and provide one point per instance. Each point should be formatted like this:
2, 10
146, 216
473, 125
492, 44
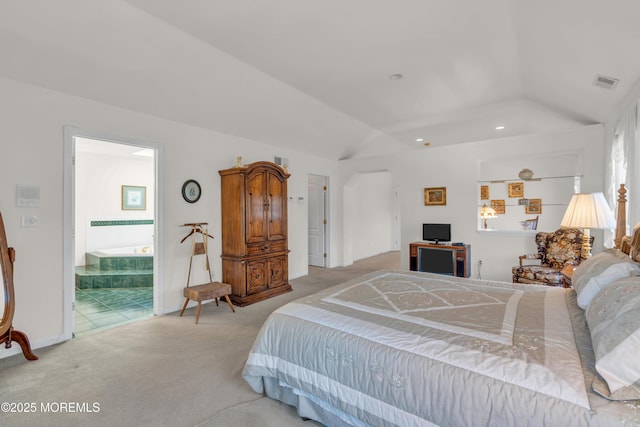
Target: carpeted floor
162, 371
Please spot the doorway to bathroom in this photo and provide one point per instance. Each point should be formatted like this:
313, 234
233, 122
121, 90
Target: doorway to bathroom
113, 239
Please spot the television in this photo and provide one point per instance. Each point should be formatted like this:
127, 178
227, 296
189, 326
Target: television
436, 232
437, 260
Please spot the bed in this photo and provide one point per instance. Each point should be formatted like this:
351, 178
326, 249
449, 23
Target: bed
400, 348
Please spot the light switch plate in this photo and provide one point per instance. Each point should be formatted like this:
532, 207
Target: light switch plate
29, 221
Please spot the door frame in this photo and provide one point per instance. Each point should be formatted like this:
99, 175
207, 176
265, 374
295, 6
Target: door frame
325, 228
69, 201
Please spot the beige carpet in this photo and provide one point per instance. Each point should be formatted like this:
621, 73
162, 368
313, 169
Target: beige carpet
163, 371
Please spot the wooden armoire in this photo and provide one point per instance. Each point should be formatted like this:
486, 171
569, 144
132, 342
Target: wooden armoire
254, 231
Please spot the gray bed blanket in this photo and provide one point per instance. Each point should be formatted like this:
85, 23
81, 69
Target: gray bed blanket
397, 348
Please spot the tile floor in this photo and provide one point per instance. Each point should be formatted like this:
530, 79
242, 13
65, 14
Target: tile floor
98, 309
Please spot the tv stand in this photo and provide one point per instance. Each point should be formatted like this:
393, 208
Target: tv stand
463, 256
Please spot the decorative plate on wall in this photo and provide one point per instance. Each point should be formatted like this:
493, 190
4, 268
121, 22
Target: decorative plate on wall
191, 190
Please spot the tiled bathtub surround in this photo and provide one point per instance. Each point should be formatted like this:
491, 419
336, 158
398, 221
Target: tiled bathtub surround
114, 262
115, 271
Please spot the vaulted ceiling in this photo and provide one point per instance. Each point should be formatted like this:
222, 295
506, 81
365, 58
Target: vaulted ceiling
319, 76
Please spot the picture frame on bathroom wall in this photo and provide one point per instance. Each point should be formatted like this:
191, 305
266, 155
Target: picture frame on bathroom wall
134, 197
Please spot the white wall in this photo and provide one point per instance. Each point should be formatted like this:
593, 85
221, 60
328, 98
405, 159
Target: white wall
368, 215
98, 191
32, 121
456, 168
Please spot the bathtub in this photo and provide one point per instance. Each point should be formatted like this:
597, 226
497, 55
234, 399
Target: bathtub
125, 267
146, 250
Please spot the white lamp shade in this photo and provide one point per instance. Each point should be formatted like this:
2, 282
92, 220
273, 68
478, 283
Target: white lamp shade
588, 210
487, 212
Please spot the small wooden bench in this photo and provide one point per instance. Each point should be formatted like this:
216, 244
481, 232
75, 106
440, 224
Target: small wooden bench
207, 291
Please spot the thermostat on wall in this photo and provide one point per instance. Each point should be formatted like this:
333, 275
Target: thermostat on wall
27, 196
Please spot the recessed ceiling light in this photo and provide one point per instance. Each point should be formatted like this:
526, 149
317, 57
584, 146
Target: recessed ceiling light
395, 76
499, 127
419, 139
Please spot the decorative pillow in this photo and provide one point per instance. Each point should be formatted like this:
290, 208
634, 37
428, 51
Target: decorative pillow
613, 317
599, 271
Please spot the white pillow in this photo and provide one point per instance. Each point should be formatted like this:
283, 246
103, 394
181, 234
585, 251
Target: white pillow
614, 323
593, 266
609, 275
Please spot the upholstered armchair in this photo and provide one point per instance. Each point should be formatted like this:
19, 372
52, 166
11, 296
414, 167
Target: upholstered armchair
555, 250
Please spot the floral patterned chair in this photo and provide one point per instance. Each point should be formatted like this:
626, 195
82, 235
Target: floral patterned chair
555, 250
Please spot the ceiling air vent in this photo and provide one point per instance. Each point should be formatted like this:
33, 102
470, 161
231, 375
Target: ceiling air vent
605, 82
281, 161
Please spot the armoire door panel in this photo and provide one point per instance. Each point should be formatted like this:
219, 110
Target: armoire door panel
257, 206
257, 278
277, 214
278, 271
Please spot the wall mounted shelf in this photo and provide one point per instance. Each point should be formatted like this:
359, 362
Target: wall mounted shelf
543, 178
544, 198
508, 233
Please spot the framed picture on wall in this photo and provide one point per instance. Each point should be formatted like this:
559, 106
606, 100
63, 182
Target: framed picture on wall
134, 197
534, 206
435, 196
516, 189
484, 192
498, 206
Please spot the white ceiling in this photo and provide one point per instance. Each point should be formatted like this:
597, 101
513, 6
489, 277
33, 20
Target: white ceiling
314, 76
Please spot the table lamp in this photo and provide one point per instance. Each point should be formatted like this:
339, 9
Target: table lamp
587, 211
485, 213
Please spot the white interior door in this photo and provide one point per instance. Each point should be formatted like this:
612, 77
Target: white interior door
317, 224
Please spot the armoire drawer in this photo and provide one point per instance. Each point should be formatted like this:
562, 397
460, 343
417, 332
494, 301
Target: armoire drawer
265, 247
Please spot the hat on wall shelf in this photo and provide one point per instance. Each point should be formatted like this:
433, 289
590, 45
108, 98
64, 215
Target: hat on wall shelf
525, 174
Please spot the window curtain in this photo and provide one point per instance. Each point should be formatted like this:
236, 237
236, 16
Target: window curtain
624, 166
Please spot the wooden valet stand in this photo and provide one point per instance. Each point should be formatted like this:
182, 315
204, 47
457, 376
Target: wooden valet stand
207, 291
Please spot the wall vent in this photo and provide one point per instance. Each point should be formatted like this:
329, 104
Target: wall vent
605, 82
281, 161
